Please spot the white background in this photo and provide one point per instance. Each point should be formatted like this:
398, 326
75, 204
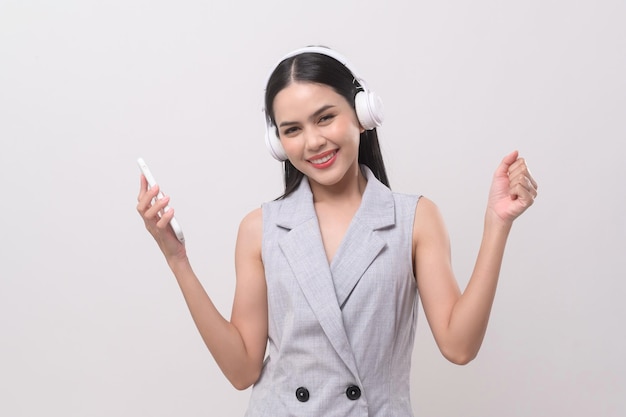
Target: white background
91, 320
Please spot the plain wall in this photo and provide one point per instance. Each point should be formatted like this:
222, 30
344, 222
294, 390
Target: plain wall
92, 322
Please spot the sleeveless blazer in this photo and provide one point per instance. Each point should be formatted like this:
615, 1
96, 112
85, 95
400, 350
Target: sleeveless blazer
340, 335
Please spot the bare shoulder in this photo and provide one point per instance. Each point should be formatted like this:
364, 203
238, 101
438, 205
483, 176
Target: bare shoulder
426, 212
425, 206
251, 230
429, 224
253, 221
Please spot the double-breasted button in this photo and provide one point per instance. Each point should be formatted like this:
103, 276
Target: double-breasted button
353, 392
302, 394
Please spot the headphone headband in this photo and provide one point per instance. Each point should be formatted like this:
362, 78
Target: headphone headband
323, 51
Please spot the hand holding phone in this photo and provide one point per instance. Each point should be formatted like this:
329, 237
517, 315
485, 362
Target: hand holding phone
178, 231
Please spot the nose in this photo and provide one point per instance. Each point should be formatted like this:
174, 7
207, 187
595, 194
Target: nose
314, 139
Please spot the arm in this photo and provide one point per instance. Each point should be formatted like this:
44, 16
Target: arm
238, 345
459, 320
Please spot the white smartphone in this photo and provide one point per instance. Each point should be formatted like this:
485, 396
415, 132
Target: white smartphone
178, 231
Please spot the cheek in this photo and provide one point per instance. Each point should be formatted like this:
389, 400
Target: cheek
345, 130
353, 135
290, 145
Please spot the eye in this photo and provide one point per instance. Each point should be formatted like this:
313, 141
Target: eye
290, 131
327, 118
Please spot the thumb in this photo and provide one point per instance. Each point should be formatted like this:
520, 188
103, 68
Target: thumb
503, 168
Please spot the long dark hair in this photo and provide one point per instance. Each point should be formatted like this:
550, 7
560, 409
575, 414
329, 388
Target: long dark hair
322, 69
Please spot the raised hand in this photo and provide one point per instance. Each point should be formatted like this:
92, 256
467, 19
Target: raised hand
157, 220
513, 189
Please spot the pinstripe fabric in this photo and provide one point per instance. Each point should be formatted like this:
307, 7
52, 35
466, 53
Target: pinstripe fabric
350, 323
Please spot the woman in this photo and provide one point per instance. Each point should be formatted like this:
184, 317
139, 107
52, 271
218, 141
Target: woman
328, 274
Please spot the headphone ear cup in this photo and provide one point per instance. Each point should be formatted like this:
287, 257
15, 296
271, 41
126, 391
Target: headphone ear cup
369, 109
273, 143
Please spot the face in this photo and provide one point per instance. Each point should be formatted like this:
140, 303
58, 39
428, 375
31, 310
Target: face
319, 131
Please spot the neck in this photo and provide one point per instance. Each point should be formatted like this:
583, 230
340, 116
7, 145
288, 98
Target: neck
349, 189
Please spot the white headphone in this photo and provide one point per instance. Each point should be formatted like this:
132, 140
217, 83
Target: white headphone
368, 106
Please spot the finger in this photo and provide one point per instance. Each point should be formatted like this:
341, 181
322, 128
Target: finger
506, 162
147, 198
150, 207
520, 169
524, 182
165, 219
522, 186
157, 209
532, 180
518, 165
143, 186
525, 196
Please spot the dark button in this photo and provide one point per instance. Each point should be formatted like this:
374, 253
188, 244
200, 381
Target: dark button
353, 392
302, 394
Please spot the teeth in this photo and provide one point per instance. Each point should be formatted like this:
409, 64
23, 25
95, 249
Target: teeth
324, 159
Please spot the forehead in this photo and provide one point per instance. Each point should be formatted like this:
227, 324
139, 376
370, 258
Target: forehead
300, 99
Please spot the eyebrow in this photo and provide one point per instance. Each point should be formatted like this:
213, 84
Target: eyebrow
313, 116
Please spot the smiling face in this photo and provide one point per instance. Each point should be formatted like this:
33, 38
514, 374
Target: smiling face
319, 131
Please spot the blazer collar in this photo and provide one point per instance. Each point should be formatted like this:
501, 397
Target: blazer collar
376, 210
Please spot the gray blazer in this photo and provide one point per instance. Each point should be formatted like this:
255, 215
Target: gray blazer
340, 335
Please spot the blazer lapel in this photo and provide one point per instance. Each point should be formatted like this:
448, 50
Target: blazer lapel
304, 251
361, 245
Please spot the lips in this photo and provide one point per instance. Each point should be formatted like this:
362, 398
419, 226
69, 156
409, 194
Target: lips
323, 160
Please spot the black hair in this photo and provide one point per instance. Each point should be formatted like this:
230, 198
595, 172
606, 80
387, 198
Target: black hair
322, 69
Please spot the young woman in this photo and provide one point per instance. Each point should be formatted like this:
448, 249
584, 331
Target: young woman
328, 275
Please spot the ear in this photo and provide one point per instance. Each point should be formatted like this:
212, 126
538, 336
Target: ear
358, 122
